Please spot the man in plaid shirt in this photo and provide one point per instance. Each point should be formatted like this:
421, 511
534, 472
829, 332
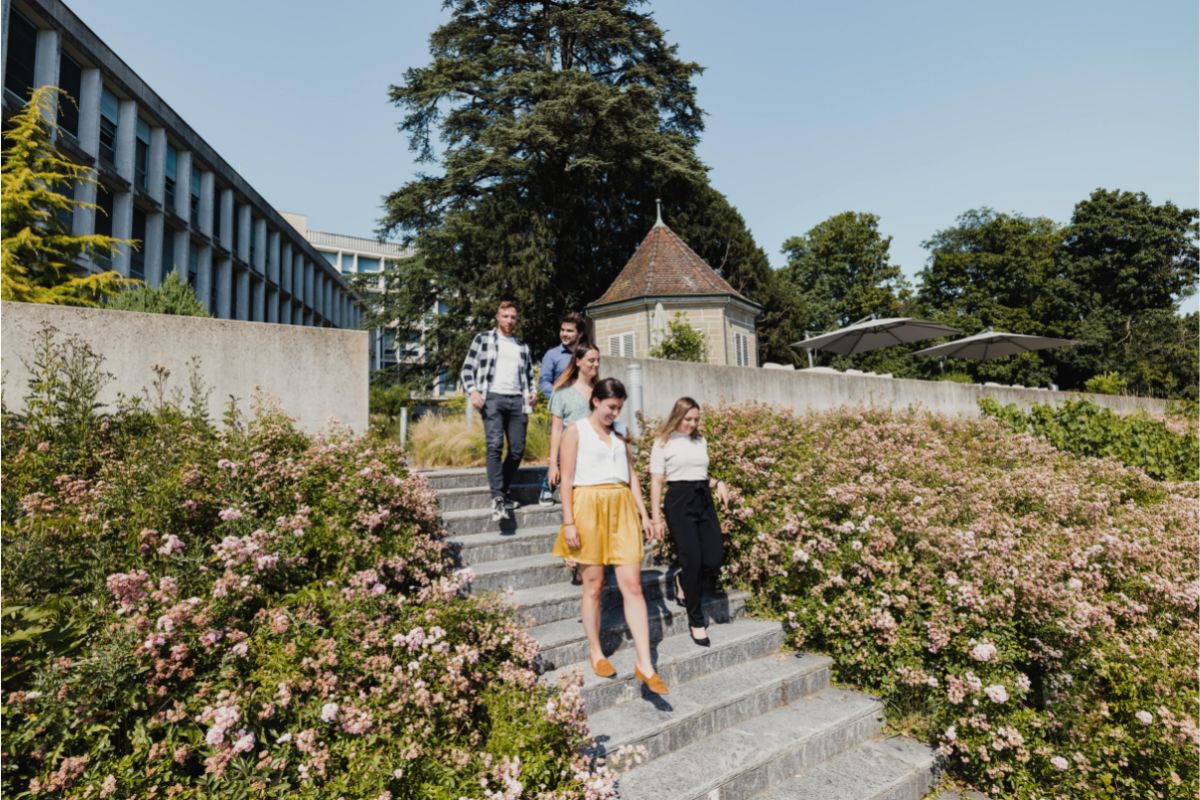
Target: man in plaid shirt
498, 376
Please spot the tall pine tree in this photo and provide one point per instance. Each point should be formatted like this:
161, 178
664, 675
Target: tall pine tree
554, 126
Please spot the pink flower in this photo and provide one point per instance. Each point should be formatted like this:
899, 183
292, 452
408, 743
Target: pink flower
1059, 763
984, 651
996, 693
329, 712
244, 743
108, 786
170, 546
1144, 717
230, 515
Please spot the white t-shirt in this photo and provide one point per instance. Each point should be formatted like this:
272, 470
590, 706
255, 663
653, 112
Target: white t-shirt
508, 366
682, 458
597, 462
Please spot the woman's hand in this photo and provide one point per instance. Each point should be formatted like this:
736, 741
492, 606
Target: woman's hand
552, 475
649, 529
571, 534
660, 528
723, 493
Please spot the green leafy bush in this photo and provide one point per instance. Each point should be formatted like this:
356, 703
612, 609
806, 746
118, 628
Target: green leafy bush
1105, 383
173, 296
1086, 429
252, 612
1031, 613
682, 342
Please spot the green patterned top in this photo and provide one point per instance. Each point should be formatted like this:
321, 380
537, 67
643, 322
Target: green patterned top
568, 404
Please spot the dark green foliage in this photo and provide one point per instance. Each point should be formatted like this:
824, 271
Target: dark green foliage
173, 296
1109, 279
1086, 429
561, 124
843, 272
837, 274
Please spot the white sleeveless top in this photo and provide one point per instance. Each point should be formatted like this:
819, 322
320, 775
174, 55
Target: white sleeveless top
597, 462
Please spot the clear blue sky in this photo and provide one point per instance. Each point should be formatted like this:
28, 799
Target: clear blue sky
915, 111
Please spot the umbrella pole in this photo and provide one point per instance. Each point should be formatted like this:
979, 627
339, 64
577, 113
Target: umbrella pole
808, 352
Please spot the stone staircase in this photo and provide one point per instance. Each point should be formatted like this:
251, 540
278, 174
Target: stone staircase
744, 718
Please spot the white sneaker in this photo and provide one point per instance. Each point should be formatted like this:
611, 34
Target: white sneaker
500, 511
546, 498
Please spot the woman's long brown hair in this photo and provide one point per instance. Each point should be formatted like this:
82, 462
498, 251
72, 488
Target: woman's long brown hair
682, 406
572, 371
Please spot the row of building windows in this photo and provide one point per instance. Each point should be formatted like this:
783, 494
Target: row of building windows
153, 189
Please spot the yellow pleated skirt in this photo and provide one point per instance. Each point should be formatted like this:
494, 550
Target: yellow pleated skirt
609, 526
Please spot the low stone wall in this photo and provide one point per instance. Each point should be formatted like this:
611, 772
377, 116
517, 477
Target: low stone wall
316, 375
663, 382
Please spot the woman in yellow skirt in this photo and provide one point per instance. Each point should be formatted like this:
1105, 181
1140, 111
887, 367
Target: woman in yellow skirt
602, 503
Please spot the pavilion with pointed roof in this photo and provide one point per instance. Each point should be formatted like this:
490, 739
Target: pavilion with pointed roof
664, 278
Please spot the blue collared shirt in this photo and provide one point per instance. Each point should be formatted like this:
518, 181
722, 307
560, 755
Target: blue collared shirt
554, 363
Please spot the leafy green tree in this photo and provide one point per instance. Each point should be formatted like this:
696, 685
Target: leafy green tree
1001, 271
560, 123
1129, 262
39, 252
843, 271
838, 273
681, 342
173, 297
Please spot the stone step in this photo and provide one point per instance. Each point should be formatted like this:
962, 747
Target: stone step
476, 477
479, 520
714, 701
470, 497
563, 642
752, 756
678, 659
479, 548
539, 605
523, 572
896, 768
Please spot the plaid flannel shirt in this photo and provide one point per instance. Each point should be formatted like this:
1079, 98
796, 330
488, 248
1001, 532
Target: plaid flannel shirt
479, 367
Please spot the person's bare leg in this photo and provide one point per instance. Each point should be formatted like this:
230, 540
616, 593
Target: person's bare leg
589, 607
629, 579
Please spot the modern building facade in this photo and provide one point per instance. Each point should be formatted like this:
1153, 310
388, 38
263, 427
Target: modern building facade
665, 278
354, 255
161, 184
360, 255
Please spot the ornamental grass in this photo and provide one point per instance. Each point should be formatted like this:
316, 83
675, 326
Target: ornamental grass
1031, 613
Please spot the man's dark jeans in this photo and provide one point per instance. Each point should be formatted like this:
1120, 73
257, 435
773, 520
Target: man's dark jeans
503, 416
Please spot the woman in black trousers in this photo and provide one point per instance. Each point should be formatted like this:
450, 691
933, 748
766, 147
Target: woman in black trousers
679, 459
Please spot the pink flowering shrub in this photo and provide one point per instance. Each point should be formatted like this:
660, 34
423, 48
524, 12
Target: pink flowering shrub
257, 613
1031, 613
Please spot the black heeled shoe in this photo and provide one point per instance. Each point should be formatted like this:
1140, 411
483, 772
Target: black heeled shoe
702, 642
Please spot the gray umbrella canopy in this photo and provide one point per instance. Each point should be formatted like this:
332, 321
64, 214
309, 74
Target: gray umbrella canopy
862, 337
994, 344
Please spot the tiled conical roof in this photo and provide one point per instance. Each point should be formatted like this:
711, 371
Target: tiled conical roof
664, 266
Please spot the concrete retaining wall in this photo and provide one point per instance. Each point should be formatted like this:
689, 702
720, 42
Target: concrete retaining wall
804, 390
315, 374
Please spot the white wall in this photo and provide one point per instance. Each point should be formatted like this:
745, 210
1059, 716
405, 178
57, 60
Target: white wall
802, 390
316, 374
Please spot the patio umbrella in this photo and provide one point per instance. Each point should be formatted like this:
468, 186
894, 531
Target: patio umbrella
872, 334
994, 344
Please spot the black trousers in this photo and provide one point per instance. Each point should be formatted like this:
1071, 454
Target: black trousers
503, 417
692, 520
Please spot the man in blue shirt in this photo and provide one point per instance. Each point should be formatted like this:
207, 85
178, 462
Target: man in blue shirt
555, 363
